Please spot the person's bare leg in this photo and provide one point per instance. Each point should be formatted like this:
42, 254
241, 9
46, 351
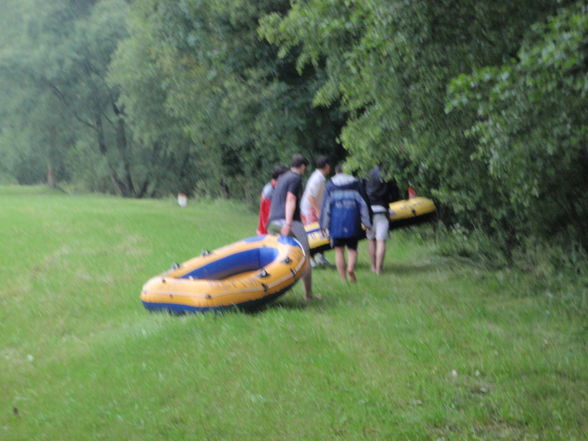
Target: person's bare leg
372, 253
340, 262
380, 254
307, 280
351, 265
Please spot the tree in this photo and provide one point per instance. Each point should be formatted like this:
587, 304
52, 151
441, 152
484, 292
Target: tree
235, 108
532, 128
390, 64
58, 59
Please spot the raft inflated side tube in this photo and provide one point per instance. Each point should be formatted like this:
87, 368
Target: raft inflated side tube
317, 240
411, 212
243, 275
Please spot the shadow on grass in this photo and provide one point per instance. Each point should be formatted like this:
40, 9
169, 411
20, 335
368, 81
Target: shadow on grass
296, 303
409, 269
400, 269
282, 305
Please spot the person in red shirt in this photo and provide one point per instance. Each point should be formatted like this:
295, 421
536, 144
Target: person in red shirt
265, 201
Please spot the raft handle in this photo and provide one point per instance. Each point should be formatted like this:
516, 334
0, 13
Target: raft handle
263, 274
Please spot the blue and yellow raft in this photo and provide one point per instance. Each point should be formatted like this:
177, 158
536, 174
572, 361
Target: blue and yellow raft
246, 275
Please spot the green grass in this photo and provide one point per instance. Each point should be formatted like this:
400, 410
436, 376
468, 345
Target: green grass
430, 350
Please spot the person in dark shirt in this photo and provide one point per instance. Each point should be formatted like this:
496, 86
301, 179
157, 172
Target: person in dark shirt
284, 215
380, 193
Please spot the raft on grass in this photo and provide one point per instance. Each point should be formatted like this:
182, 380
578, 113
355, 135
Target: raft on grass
244, 275
403, 213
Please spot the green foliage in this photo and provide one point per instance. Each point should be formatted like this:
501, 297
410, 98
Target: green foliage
212, 94
532, 129
481, 106
471, 247
162, 158
55, 68
390, 64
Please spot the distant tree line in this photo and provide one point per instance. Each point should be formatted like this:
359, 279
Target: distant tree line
479, 105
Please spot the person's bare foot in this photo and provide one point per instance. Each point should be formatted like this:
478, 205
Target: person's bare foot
352, 277
311, 297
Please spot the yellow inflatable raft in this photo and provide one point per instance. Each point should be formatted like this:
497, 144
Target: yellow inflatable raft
317, 240
402, 214
411, 211
244, 275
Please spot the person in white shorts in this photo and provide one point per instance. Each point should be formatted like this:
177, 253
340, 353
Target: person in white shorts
380, 194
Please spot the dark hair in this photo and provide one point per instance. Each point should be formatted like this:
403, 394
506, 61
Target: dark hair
322, 161
298, 160
339, 168
279, 170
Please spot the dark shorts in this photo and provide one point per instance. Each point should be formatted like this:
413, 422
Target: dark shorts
349, 242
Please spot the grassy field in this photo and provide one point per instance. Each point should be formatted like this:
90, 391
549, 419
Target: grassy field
430, 350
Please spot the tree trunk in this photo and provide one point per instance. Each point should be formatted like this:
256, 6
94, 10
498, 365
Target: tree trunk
117, 182
51, 181
51, 159
123, 147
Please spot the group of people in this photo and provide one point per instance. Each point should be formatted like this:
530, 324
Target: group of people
343, 206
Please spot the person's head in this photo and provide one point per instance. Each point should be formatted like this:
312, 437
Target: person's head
339, 168
323, 164
299, 163
278, 171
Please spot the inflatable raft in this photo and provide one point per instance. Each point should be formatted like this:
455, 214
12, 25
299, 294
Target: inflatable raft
244, 275
317, 240
402, 214
411, 212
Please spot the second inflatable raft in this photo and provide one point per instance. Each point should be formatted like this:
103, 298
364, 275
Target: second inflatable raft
402, 214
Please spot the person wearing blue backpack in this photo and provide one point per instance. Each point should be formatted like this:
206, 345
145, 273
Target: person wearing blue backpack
343, 212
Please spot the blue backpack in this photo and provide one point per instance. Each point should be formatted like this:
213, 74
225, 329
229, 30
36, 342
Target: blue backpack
345, 220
